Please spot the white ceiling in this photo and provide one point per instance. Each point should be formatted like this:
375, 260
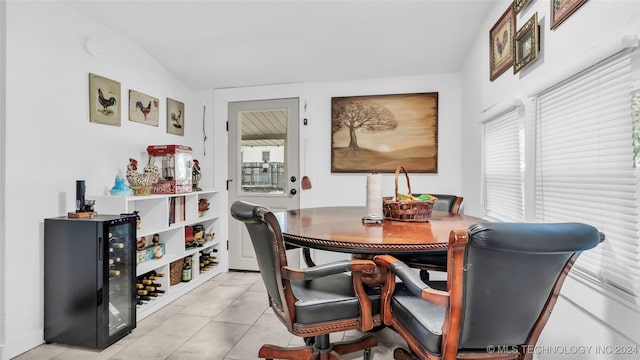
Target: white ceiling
219, 44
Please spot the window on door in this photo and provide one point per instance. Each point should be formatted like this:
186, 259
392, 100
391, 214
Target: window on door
263, 149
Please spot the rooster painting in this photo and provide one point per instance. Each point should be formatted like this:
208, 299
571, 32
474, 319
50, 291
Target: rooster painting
145, 110
104, 100
502, 45
176, 119
106, 103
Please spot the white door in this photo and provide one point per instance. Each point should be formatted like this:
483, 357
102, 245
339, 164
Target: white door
263, 165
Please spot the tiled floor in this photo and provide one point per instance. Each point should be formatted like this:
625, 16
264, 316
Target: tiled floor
225, 318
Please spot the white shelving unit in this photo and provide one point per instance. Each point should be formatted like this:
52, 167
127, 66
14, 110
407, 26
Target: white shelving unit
154, 213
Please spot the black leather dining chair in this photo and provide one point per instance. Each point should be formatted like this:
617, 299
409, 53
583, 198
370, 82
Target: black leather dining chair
503, 280
311, 302
434, 260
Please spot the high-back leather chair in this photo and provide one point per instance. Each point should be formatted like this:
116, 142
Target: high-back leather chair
434, 260
447, 203
314, 302
503, 282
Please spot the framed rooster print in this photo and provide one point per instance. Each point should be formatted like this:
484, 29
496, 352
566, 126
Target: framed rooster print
175, 117
143, 108
501, 44
104, 100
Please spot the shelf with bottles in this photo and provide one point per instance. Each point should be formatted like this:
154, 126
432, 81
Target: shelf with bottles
156, 212
150, 286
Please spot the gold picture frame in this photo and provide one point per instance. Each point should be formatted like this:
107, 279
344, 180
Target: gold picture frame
562, 9
104, 100
381, 132
526, 44
143, 108
175, 117
518, 5
501, 44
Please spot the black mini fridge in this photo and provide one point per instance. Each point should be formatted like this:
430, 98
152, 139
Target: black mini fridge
89, 280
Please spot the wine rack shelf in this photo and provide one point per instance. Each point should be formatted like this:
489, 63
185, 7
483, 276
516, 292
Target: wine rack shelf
168, 215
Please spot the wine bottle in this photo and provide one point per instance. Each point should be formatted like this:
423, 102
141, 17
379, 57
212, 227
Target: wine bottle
143, 292
154, 273
114, 272
117, 245
186, 270
144, 297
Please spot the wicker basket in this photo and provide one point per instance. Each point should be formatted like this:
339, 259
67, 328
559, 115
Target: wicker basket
175, 271
406, 210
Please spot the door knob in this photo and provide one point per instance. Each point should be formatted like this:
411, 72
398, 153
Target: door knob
293, 179
293, 192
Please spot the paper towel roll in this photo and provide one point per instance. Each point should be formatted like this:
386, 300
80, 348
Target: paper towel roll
374, 196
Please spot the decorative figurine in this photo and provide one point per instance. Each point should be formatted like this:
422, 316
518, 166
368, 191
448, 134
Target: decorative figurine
141, 243
203, 205
195, 176
138, 218
142, 184
120, 188
157, 249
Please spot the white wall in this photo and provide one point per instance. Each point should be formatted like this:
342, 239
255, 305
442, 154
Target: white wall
3, 50
583, 316
349, 189
50, 142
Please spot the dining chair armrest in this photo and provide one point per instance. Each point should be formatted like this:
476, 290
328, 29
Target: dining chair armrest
336, 267
357, 267
412, 281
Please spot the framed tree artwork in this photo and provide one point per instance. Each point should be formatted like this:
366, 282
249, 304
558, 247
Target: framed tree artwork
381, 132
143, 108
104, 100
527, 44
562, 9
501, 44
175, 117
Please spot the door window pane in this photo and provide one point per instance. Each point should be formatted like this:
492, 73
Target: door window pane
263, 149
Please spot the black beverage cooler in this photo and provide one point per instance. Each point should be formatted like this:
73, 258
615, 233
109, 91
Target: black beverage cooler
89, 280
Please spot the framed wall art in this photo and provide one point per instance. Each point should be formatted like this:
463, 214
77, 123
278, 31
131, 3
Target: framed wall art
175, 117
527, 44
562, 9
143, 108
381, 132
104, 100
501, 44
518, 5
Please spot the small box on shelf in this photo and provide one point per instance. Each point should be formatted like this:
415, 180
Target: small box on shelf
151, 252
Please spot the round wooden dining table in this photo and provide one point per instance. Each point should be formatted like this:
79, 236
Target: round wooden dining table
342, 229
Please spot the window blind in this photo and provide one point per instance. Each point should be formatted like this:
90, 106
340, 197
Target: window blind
584, 168
503, 167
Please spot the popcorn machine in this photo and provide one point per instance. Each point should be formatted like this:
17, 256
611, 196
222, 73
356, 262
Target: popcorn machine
175, 165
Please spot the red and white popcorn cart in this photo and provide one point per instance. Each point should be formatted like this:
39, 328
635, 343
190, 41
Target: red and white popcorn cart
175, 163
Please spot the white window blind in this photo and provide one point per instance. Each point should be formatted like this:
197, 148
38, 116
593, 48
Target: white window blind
503, 167
584, 167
